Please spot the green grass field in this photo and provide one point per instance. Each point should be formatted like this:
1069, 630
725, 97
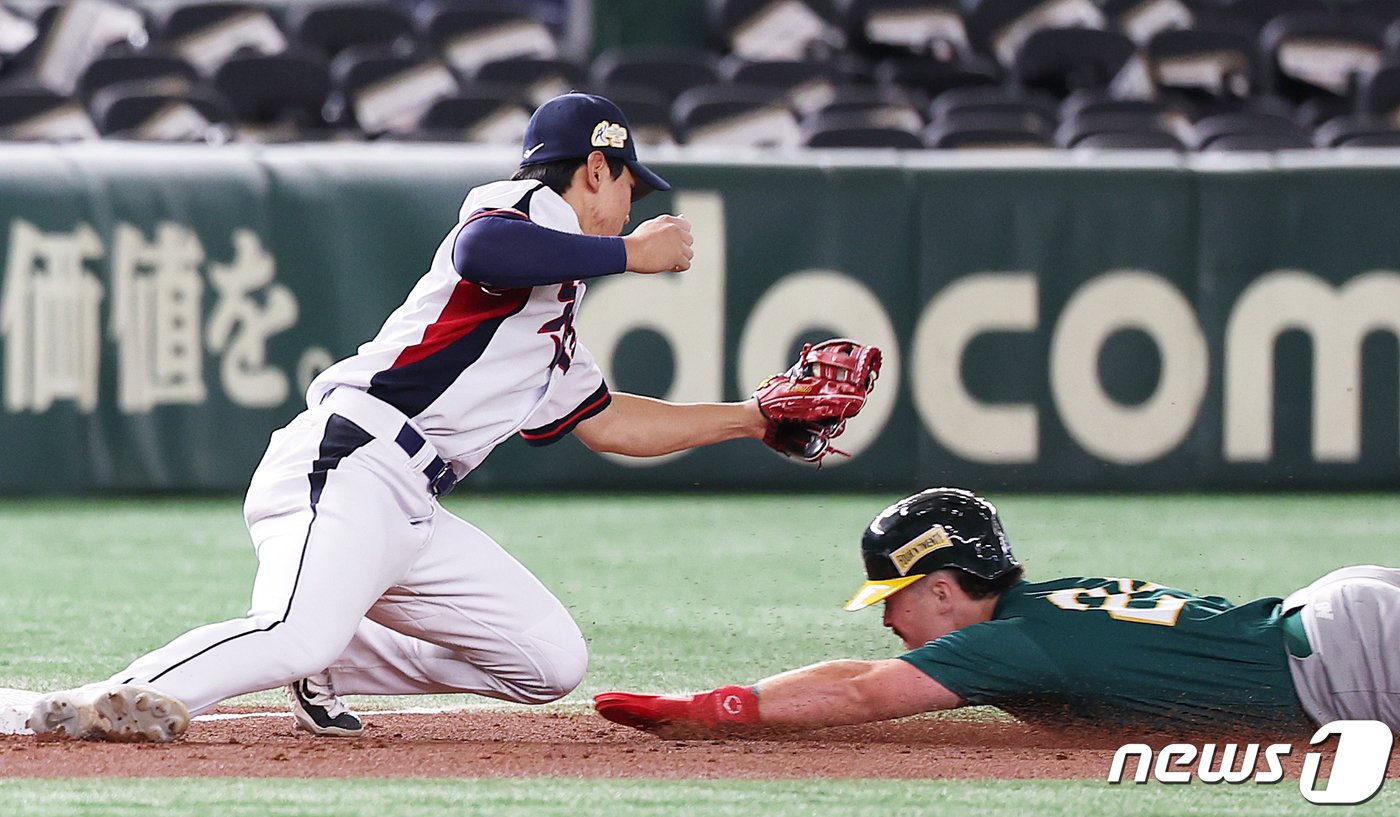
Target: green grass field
675, 592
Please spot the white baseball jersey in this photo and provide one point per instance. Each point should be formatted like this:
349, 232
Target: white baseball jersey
470, 366
362, 575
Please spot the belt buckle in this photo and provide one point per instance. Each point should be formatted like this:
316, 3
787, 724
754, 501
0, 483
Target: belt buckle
441, 478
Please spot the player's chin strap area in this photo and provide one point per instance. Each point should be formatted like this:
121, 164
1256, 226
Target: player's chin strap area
386, 422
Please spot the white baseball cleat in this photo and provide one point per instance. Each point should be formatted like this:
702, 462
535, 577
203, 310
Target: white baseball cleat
125, 712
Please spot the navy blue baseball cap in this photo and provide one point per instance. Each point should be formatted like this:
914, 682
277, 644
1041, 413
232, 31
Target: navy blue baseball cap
574, 125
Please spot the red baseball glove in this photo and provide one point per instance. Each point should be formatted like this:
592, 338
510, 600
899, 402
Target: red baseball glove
677, 716
808, 405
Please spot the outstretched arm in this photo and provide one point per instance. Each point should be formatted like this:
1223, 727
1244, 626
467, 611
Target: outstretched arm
844, 692
833, 693
647, 427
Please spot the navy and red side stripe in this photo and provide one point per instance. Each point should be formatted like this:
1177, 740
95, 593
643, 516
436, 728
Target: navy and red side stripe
456, 340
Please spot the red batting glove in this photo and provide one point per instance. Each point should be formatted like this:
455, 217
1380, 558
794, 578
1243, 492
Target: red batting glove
665, 715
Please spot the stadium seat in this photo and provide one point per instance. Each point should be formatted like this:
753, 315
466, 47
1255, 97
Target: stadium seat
69, 37
1247, 130
126, 65
29, 112
932, 76
470, 37
1206, 62
25, 41
1101, 101
988, 129
382, 91
887, 105
856, 129
1144, 128
1306, 54
1062, 60
996, 99
932, 28
541, 79
482, 113
161, 111
735, 115
1000, 27
1130, 140
206, 34
333, 27
1323, 107
1357, 131
1199, 106
775, 29
17, 32
286, 91
1379, 94
1141, 20
1257, 142
1250, 16
667, 71
806, 84
1172, 118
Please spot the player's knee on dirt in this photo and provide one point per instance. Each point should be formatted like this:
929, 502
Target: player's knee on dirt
560, 662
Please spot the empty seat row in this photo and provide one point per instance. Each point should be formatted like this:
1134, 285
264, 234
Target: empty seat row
173, 109
1295, 48
61, 40
794, 29
897, 73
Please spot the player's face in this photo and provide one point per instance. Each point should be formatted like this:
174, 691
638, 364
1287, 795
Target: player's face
914, 615
613, 206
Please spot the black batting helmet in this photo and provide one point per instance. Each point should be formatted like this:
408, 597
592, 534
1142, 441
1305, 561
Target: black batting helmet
933, 529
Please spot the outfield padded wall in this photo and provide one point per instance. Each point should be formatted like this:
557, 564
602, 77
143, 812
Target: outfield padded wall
1049, 321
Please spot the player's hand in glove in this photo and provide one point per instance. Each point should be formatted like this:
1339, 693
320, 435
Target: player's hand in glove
719, 711
808, 405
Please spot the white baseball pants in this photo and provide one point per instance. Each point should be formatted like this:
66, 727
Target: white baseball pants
1352, 618
362, 572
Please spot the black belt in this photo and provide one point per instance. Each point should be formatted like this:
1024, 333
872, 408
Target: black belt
441, 478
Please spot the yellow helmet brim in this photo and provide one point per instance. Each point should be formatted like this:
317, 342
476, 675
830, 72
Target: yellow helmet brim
873, 591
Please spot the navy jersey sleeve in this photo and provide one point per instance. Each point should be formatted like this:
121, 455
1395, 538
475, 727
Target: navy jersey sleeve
503, 249
987, 663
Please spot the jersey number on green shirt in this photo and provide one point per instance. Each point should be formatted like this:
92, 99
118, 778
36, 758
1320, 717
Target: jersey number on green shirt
1141, 602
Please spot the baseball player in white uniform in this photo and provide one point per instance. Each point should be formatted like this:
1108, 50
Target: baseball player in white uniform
365, 584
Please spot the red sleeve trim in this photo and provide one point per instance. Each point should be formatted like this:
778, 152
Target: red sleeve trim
557, 430
499, 211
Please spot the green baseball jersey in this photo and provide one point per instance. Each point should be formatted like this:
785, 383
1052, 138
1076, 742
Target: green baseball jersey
1121, 650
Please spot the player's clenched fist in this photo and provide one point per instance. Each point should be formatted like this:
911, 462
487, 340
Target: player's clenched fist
661, 244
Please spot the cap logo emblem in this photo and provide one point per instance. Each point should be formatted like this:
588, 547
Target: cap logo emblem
609, 135
905, 556
531, 152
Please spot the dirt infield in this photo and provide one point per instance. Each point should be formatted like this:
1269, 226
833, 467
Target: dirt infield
503, 744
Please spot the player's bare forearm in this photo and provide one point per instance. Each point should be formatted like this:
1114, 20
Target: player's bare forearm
834, 693
646, 427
